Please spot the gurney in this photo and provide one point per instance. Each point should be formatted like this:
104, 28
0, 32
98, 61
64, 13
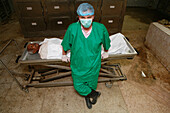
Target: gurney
27, 58
51, 71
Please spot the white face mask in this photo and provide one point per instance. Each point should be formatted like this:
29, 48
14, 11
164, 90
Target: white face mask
86, 22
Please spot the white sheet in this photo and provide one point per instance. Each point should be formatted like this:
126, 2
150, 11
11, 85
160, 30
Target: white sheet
52, 49
118, 44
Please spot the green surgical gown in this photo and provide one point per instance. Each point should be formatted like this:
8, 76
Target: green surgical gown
85, 55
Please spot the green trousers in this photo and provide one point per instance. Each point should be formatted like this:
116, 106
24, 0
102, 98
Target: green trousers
85, 88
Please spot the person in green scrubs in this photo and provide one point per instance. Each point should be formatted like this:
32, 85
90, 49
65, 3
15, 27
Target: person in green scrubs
85, 38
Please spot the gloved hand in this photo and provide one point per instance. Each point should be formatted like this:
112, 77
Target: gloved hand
105, 55
65, 58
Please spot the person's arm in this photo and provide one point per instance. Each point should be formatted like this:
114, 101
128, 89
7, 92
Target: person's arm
106, 40
106, 43
65, 58
66, 44
65, 47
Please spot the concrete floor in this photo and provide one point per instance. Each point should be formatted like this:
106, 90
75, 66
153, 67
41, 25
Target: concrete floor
135, 95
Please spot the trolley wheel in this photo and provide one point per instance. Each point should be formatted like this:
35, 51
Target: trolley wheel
25, 89
109, 84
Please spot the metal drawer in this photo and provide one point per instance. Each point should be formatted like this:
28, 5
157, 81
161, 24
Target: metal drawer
110, 22
59, 7
113, 30
33, 24
30, 9
58, 23
112, 7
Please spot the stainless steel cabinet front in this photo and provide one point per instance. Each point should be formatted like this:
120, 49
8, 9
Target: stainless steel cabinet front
59, 7
113, 30
30, 9
33, 24
58, 23
112, 7
110, 21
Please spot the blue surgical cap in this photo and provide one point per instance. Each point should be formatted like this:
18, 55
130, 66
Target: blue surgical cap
85, 9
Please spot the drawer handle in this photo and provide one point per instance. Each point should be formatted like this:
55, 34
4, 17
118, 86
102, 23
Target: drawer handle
112, 7
29, 8
110, 21
59, 22
56, 7
34, 24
